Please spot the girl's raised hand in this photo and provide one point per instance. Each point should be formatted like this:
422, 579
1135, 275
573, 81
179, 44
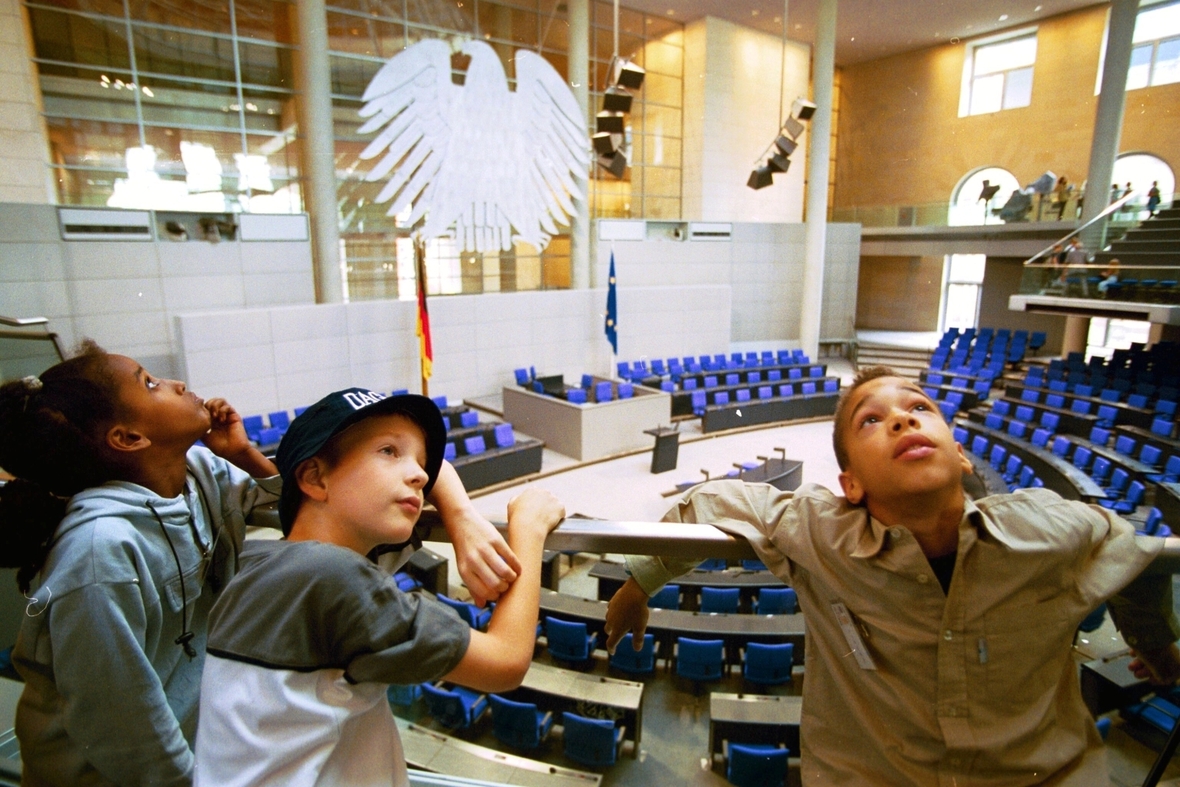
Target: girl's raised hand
227, 436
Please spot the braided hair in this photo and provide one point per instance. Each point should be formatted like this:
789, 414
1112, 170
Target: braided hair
52, 439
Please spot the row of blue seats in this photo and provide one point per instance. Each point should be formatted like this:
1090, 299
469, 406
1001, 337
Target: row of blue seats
1142, 395
521, 725
981, 386
987, 337
768, 601
271, 430
502, 437
700, 398
676, 367
795, 374
1012, 469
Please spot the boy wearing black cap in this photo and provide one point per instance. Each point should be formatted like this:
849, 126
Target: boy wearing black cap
307, 637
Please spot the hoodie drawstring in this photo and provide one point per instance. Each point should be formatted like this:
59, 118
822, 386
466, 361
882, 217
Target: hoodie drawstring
185, 640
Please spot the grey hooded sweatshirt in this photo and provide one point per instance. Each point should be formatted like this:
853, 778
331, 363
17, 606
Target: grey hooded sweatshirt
110, 696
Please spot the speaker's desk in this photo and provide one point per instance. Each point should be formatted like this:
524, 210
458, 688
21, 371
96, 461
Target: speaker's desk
594, 696
667, 624
432, 751
754, 718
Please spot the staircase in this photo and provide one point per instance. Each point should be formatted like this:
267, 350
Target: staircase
1155, 242
908, 362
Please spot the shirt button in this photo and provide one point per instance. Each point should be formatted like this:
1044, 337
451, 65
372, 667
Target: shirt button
923, 579
948, 635
895, 532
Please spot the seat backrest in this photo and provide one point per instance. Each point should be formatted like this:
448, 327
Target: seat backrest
576, 396
1026, 476
270, 436
1040, 437
773, 376
731, 379
1150, 454
786, 390
441, 401
504, 435
1001, 407
1109, 394
1099, 436
768, 663
1107, 413
1081, 457
449, 452
1013, 465
689, 383
979, 446
1101, 469
720, 599
777, 601
698, 400
1025, 413
1029, 395
1135, 492
590, 741
515, 723
1055, 400
699, 658
253, 425
1060, 386
602, 392
1152, 523
721, 397
522, 375
280, 419
1118, 480
710, 381
475, 444
960, 434
468, 418
628, 659
1162, 426
668, 597
626, 390
1125, 445
1137, 400
1050, 421
1173, 465
567, 638
445, 706
742, 395
754, 377
756, 766
765, 392
999, 453
795, 374
1061, 446
808, 389
1080, 406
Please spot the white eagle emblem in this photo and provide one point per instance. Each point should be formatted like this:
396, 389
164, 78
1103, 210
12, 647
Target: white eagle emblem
484, 165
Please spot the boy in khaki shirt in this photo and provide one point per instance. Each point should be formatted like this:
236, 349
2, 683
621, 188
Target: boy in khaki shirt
953, 664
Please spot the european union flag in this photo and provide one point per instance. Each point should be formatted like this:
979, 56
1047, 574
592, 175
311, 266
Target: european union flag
612, 309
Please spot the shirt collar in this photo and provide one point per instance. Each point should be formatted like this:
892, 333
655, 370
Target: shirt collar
873, 538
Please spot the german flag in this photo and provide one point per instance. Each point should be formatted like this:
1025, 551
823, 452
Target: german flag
425, 351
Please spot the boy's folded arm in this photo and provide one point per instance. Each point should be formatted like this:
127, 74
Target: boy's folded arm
1143, 613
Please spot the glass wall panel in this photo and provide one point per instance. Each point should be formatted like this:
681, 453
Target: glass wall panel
210, 17
68, 38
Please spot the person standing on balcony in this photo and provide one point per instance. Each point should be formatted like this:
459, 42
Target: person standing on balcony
1061, 196
1153, 198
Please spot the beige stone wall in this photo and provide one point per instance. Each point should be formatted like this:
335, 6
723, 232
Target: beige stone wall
901, 140
899, 293
23, 146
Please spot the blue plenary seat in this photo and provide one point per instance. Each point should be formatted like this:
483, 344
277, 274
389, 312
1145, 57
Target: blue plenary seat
808, 389
403, 695
1125, 445
280, 419
594, 742
776, 601
1061, 446
1055, 400
576, 396
1040, 437
786, 390
699, 659
667, 597
441, 401
522, 375
1001, 407
626, 390
720, 600
405, 582
698, 402
742, 395
638, 662
979, 446
457, 708
504, 435
1132, 500
831, 386
1100, 472
474, 616
519, 724
449, 452
568, 640
468, 418
1050, 421
756, 765
1118, 483
253, 426
993, 421
1150, 455
1162, 426
1025, 413
767, 664
721, 397
602, 392
1171, 472
765, 392
475, 445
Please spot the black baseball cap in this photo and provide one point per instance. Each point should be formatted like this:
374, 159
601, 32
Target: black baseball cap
337, 411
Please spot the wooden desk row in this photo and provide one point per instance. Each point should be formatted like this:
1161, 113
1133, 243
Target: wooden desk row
767, 411
667, 625
432, 751
500, 464
754, 718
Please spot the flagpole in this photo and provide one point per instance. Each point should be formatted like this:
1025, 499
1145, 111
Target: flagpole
612, 317
423, 320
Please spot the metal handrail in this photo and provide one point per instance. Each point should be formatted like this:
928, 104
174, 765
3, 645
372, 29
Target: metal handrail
1113, 207
23, 322
680, 540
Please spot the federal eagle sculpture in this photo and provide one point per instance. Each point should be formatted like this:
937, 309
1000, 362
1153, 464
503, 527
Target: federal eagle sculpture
479, 162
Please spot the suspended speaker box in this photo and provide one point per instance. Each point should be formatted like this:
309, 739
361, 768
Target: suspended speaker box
778, 163
610, 122
760, 178
606, 143
628, 75
616, 99
802, 109
793, 128
615, 164
786, 145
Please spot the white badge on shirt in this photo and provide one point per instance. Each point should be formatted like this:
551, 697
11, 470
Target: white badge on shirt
852, 635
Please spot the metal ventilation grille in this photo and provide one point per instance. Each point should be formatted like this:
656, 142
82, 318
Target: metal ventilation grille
709, 231
88, 224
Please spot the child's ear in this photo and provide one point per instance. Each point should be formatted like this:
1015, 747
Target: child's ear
123, 439
852, 488
311, 475
964, 462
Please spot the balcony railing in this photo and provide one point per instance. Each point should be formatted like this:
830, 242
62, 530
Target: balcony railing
942, 214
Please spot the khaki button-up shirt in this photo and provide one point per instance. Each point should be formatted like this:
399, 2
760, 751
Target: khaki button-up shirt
972, 687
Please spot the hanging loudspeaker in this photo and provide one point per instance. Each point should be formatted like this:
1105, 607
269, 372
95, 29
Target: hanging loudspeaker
802, 109
628, 75
793, 128
778, 163
610, 122
616, 99
615, 164
786, 145
606, 143
760, 178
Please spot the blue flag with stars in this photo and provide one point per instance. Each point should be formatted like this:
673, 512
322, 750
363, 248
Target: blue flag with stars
612, 309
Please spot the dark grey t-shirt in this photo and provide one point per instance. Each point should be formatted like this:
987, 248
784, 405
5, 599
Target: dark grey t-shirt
307, 605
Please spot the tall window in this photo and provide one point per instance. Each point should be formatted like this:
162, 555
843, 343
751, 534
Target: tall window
964, 278
1155, 59
997, 74
1107, 335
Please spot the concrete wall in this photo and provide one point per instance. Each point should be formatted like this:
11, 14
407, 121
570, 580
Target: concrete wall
1001, 278
288, 356
763, 265
901, 141
899, 293
125, 294
732, 82
24, 147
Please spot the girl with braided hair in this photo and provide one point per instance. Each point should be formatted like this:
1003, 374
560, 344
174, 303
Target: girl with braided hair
123, 531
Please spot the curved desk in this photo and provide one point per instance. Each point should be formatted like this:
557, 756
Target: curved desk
586, 694
754, 718
1057, 474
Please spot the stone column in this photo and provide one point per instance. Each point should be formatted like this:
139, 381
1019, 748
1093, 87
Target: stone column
581, 269
819, 144
317, 147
